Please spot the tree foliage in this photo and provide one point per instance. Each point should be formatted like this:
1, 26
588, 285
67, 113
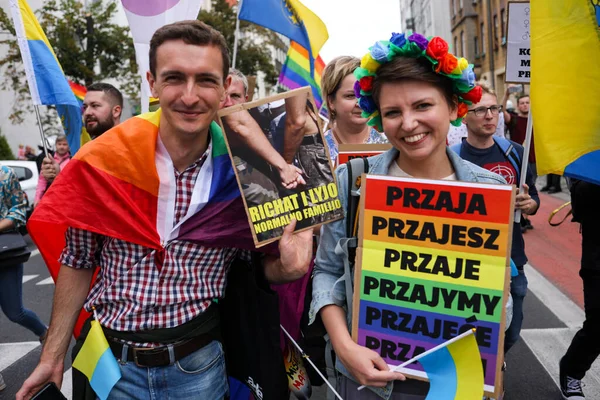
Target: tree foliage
87, 42
5, 151
252, 53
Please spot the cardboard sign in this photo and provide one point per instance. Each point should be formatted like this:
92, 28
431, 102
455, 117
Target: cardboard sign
270, 140
433, 261
349, 151
518, 57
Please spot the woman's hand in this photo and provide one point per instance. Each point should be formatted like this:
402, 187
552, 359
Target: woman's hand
365, 365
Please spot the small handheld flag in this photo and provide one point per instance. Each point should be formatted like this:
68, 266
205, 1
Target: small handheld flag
96, 361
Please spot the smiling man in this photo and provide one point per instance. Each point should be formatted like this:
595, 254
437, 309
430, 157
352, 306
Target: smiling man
155, 290
102, 107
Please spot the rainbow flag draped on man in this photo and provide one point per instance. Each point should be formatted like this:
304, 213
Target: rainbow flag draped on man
113, 187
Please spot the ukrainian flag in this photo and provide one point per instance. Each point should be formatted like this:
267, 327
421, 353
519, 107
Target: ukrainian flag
291, 18
565, 87
96, 361
47, 82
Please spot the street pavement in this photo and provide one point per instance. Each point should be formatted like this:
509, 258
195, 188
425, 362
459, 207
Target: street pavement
553, 313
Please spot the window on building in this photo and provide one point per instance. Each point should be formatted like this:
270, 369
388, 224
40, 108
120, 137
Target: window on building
495, 31
476, 45
460, 4
452, 7
455, 49
463, 45
502, 23
482, 34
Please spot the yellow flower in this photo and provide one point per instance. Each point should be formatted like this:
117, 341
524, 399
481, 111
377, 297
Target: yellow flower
461, 66
369, 63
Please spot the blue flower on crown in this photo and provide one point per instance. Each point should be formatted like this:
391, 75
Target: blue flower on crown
380, 52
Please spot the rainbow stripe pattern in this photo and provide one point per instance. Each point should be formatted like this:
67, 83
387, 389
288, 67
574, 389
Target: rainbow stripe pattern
47, 82
96, 361
116, 186
296, 71
455, 371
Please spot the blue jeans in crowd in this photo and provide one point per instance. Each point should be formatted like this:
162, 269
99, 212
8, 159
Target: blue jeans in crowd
518, 290
200, 375
11, 300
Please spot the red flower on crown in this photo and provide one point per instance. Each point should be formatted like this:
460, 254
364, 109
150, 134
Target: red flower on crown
473, 95
462, 110
437, 48
366, 83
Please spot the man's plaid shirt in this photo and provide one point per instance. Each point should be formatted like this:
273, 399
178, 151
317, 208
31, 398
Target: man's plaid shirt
140, 288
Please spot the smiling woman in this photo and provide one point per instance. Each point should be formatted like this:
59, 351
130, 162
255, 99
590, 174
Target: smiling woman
413, 89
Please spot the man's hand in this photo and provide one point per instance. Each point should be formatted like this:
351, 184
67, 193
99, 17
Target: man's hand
295, 251
291, 176
524, 202
50, 169
44, 373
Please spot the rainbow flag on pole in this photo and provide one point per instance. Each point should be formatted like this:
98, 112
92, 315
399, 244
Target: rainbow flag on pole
565, 87
296, 73
96, 361
47, 82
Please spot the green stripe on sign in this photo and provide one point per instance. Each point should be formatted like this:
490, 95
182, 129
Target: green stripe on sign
427, 295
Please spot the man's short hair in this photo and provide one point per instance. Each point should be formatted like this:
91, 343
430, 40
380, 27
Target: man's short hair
238, 74
112, 92
521, 97
486, 89
191, 32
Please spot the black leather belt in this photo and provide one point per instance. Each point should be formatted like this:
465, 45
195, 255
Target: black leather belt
312, 140
159, 356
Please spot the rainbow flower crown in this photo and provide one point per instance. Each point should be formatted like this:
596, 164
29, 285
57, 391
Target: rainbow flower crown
415, 46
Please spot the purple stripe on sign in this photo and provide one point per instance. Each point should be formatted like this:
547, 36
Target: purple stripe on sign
396, 350
424, 326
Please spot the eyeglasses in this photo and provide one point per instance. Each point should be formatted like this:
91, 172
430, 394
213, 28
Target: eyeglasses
481, 111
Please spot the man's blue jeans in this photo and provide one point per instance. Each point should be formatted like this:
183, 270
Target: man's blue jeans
11, 300
518, 290
200, 375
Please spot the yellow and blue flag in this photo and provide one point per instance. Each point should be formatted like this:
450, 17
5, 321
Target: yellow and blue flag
565, 87
455, 372
96, 361
47, 82
291, 18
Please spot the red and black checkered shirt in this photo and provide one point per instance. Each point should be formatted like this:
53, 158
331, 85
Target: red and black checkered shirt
134, 290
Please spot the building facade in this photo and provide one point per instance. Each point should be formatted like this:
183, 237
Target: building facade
480, 29
427, 17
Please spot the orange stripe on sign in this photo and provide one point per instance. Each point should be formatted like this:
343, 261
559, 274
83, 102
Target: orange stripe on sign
118, 144
460, 235
439, 199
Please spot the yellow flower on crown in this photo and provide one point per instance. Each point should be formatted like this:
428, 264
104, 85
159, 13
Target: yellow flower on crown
368, 63
461, 66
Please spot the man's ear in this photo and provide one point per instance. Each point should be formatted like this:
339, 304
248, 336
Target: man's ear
152, 83
116, 112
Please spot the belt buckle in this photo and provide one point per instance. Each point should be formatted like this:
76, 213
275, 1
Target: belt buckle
135, 355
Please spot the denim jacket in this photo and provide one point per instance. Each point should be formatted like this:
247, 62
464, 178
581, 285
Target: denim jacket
328, 278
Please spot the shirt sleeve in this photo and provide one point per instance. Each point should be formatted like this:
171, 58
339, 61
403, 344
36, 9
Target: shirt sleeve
16, 199
81, 249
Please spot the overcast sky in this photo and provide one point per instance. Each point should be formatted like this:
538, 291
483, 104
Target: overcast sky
354, 25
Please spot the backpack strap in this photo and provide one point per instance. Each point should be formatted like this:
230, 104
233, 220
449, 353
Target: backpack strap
356, 167
510, 153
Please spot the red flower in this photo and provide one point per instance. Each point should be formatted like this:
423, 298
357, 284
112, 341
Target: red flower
462, 110
437, 48
447, 64
474, 95
366, 83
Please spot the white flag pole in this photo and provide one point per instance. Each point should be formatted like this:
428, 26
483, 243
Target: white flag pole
436, 348
236, 34
525, 163
307, 358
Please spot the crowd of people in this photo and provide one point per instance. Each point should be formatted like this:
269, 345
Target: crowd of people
164, 332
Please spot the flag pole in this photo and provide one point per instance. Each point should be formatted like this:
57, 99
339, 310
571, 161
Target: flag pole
236, 34
436, 348
525, 163
37, 113
307, 358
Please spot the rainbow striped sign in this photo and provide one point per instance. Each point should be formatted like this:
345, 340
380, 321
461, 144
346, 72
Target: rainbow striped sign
433, 262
